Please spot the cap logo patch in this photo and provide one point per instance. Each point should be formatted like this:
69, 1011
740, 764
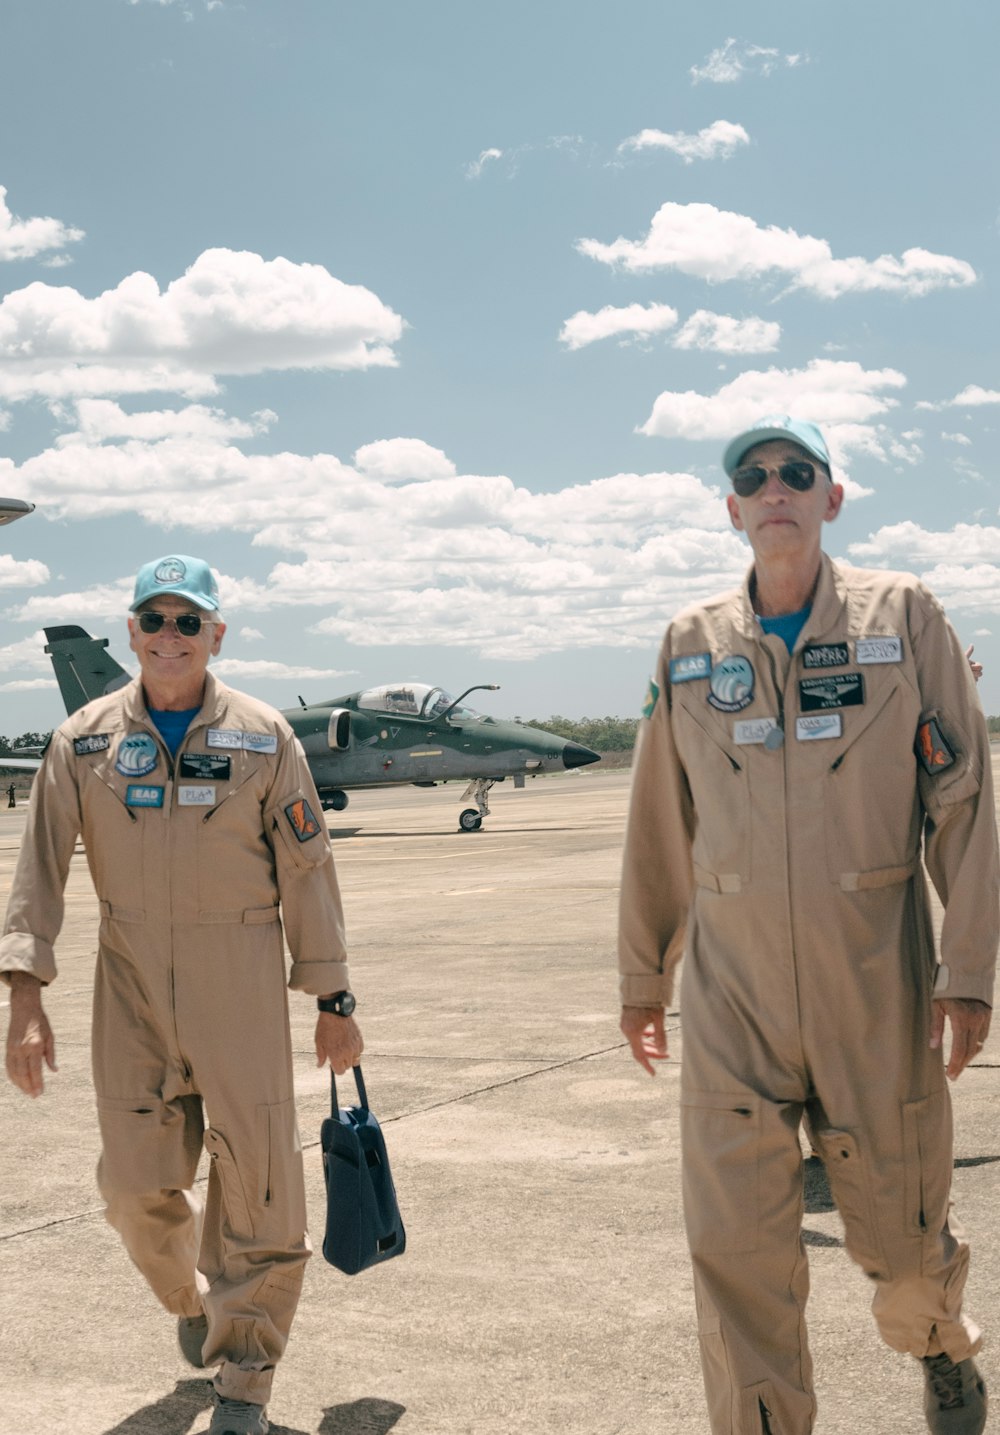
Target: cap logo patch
301, 820
731, 684
933, 748
171, 570
137, 755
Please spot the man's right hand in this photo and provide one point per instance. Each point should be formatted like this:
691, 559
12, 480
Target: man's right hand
644, 1029
29, 1036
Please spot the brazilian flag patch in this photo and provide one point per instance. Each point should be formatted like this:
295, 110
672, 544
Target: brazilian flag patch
652, 693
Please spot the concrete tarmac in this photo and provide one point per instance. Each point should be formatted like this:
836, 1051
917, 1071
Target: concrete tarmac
545, 1286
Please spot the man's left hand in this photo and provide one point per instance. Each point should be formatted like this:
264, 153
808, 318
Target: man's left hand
338, 1041
970, 1026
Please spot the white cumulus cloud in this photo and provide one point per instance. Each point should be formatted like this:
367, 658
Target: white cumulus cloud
252, 635
736, 58
229, 313
474, 168
583, 328
719, 140
718, 244
974, 396
722, 334
263, 668
402, 460
98, 420
961, 438
27, 238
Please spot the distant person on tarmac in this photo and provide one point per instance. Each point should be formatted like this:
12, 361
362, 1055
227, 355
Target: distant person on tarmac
11, 796
199, 820
807, 741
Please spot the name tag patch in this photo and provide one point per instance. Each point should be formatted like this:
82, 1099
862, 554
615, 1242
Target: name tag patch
138, 796
933, 749
751, 731
845, 691
205, 766
247, 741
687, 669
93, 742
196, 796
301, 820
815, 729
825, 655
878, 650
731, 684
137, 755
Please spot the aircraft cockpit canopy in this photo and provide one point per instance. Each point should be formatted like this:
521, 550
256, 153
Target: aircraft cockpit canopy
415, 700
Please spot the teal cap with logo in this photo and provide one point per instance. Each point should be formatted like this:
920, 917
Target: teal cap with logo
776, 426
180, 574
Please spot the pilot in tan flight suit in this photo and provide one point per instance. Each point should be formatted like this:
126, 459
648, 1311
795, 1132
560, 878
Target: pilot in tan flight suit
201, 824
808, 739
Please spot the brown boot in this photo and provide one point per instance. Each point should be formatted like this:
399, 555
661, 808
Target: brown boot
954, 1397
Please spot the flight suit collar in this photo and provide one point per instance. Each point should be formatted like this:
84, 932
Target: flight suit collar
827, 609
213, 704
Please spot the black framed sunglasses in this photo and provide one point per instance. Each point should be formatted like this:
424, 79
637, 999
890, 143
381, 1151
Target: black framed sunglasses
796, 474
188, 625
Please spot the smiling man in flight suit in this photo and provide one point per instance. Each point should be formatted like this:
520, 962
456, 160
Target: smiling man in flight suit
199, 819
806, 741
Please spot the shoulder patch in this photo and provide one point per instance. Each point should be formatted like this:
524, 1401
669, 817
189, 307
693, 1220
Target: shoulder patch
933, 749
93, 742
649, 703
689, 668
301, 820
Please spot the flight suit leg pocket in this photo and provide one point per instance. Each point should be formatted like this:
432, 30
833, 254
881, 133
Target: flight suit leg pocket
236, 1207
146, 1145
720, 1133
280, 1182
850, 1183
756, 1408
927, 1154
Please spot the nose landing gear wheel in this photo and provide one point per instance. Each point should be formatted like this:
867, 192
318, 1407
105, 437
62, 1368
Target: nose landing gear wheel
469, 820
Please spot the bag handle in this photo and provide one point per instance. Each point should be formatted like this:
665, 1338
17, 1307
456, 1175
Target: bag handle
359, 1082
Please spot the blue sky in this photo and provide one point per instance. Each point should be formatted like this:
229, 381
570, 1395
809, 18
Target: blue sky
426, 321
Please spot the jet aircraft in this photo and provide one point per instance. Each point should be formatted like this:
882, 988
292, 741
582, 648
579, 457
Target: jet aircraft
399, 733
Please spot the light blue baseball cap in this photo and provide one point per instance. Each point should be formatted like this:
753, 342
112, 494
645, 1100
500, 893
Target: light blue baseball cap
180, 574
800, 431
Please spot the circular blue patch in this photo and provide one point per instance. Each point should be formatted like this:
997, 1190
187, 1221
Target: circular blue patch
137, 755
731, 685
171, 570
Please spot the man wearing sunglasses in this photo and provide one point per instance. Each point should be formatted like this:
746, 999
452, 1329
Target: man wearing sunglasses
200, 820
807, 740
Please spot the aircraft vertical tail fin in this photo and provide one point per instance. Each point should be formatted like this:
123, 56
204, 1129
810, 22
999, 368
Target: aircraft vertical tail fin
84, 669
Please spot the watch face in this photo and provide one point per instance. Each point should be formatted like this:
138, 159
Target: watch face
347, 1004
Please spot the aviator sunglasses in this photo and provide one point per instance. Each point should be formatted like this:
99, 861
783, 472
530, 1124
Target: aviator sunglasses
188, 625
796, 474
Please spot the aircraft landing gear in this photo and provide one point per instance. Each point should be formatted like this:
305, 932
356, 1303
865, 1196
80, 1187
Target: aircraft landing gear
472, 818
334, 801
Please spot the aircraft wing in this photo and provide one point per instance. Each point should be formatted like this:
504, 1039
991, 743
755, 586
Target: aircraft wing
83, 667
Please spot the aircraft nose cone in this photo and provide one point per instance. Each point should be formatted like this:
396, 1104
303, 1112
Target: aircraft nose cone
576, 755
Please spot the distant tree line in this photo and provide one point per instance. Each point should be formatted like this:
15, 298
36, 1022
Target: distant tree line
11, 746
993, 725
606, 734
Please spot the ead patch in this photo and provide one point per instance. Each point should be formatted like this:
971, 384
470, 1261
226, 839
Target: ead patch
224, 737
731, 684
652, 694
191, 796
205, 766
140, 796
260, 742
818, 694
815, 729
688, 669
878, 650
301, 820
933, 749
93, 742
825, 655
137, 755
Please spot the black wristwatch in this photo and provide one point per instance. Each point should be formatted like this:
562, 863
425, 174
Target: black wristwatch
341, 1003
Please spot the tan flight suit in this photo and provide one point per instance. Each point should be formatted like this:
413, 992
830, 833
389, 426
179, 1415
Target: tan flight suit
789, 875
190, 859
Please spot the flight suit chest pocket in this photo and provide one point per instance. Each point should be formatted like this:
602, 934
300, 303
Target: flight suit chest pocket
718, 776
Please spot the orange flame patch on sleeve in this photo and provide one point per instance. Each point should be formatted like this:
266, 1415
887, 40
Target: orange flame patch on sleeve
301, 820
933, 749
